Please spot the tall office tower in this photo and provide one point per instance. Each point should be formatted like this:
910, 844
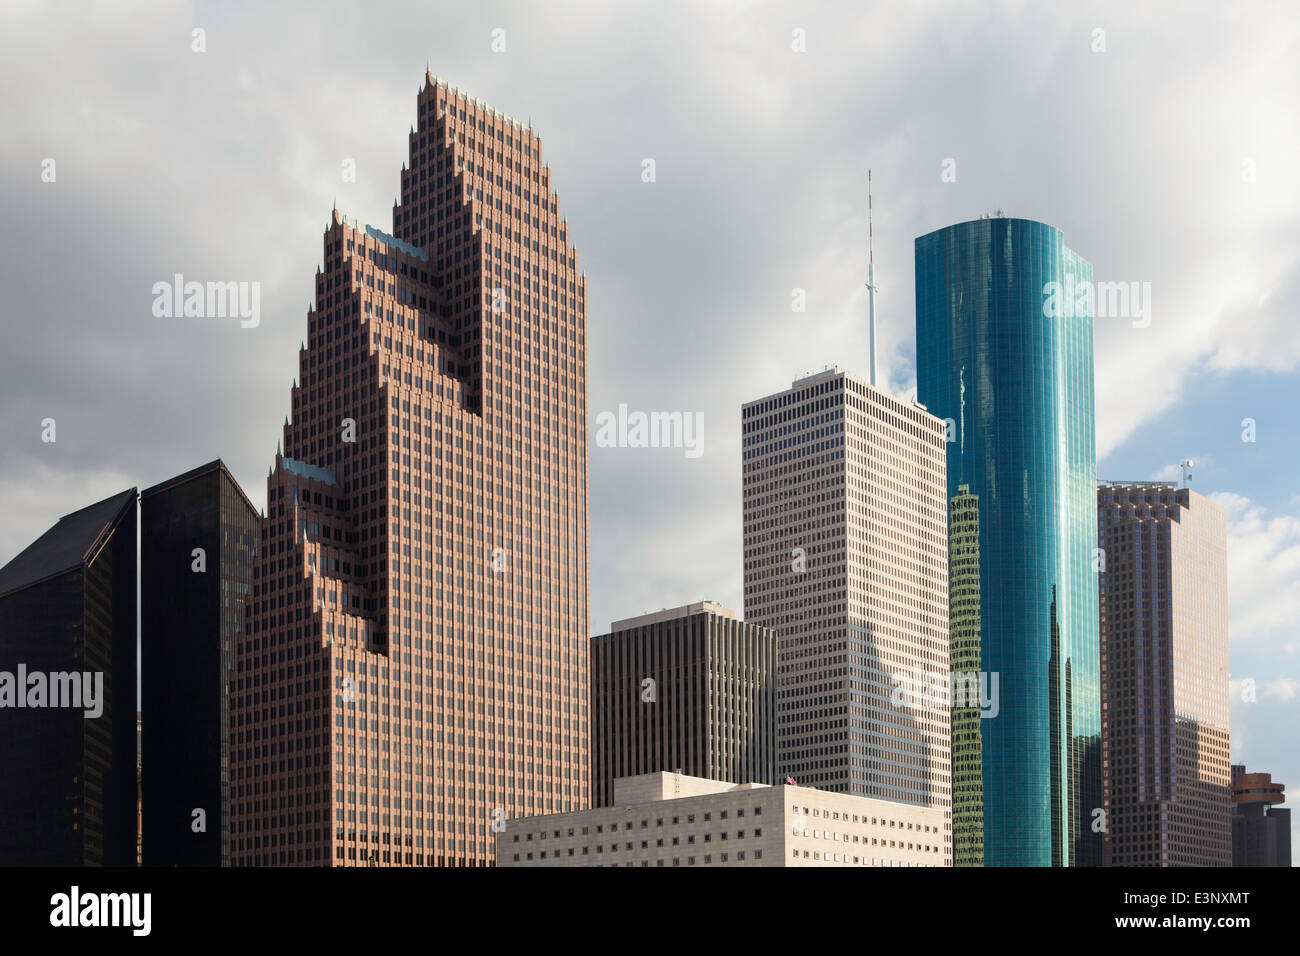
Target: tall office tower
1261, 830
690, 690
1164, 676
67, 692
964, 650
198, 533
1004, 354
846, 559
414, 669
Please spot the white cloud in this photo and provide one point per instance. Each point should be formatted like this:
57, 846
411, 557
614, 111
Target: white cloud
1263, 570
1283, 688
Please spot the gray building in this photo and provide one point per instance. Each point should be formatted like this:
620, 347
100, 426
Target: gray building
692, 690
1261, 830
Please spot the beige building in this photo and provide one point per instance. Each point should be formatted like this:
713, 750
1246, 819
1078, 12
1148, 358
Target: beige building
846, 557
670, 819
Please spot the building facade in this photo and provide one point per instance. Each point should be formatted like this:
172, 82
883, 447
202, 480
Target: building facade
1004, 356
67, 692
692, 690
964, 649
1261, 830
846, 558
1163, 597
671, 819
198, 535
414, 661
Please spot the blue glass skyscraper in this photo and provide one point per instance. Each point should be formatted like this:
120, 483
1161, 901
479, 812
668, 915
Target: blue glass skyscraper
1004, 316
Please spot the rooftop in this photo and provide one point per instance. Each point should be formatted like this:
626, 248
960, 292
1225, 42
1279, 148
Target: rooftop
68, 545
671, 614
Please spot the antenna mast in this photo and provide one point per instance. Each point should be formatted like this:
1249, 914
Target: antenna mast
871, 287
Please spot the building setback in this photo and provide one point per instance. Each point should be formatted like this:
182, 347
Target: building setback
191, 615
414, 661
1012, 376
68, 609
691, 690
1164, 676
671, 819
1261, 830
845, 517
964, 649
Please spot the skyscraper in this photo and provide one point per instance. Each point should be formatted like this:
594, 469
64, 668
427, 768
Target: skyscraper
1164, 676
690, 690
414, 667
1011, 373
67, 692
198, 532
964, 650
846, 558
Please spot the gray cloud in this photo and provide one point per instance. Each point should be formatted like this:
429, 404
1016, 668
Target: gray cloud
224, 165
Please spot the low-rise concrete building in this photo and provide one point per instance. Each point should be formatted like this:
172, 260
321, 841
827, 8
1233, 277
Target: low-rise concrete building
670, 819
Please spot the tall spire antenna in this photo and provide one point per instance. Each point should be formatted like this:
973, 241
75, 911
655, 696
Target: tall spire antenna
871, 286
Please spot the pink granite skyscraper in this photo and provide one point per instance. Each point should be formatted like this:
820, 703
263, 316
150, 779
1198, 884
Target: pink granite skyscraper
1163, 586
413, 666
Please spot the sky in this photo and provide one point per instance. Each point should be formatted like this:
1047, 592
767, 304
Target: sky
1161, 138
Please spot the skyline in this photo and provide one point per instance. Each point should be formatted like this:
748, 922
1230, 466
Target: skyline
637, 559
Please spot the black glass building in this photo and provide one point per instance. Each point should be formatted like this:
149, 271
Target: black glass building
198, 532
67, 692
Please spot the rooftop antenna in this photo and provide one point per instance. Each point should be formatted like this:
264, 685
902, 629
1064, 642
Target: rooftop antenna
1186, 466
871, 287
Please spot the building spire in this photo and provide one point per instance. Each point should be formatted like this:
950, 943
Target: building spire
871, 289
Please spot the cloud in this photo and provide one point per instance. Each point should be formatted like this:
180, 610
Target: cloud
225, 165
1283, 688
1263, 570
